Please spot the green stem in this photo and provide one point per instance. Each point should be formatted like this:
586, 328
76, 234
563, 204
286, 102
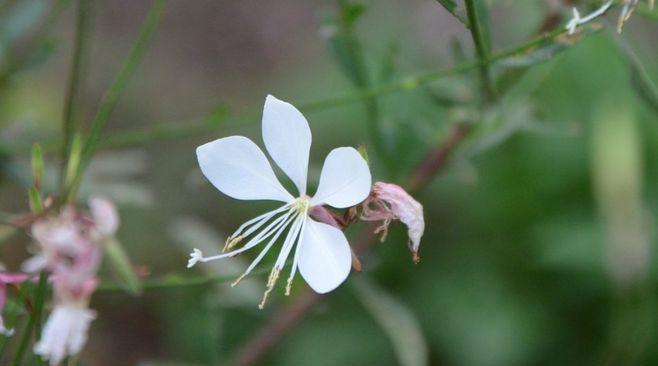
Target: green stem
69, 126
413, 82
177, 281
115, 91
475, 26
35, 316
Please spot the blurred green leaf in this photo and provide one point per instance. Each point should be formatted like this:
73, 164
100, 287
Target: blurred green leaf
37, 165
343, 45
34, 196
452, 8
641, 81
121, 266
483, 16
397, 321
450, 5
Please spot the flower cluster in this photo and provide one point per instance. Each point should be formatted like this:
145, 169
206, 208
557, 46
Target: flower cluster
70, 250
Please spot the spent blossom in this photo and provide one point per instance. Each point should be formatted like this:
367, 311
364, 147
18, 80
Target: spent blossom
71, 252
237, 167
389, 202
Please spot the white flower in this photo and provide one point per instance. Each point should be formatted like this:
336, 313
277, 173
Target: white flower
238, 168
65, 332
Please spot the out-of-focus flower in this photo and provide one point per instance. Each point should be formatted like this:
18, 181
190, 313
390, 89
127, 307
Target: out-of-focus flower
71, 251
238, 168
389, 202
7, 279
65, 332
105, 215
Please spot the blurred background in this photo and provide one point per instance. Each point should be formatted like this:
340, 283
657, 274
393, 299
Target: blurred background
540, 230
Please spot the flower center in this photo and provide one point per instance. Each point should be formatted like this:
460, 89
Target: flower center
301, 205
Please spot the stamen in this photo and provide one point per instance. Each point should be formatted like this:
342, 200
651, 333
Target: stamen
264, 234
195, 257
258, 221
271, 281
289, 242
263, 252
230, 243
295, 260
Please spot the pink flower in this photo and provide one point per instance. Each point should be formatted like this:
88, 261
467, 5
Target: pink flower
7, 279
71, 250
65, 332
105, 216
388, 202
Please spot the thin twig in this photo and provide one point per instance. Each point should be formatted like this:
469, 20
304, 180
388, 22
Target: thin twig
436, 159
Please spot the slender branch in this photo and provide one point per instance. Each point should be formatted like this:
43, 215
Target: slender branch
436, 159
171, 281
475, 26
69, 126
281, 323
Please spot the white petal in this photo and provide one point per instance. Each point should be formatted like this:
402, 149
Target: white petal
345, 179
239, 169
325, 258
287, 138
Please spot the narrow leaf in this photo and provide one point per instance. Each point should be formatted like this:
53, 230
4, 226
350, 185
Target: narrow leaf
37, 165
396, 320
121, 266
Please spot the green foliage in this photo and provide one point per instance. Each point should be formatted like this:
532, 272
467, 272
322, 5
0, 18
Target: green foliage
121, 266
539, 221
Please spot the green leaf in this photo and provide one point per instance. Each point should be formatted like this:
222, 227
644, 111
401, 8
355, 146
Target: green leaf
37, 165
396, 320
482, 11
36, 205
453, 9
121, 266
641, 82
344, 45
450, 5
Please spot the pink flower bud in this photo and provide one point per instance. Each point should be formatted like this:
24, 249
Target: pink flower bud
105, 216
389, 202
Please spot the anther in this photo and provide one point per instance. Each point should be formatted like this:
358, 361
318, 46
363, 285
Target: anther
274, 275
